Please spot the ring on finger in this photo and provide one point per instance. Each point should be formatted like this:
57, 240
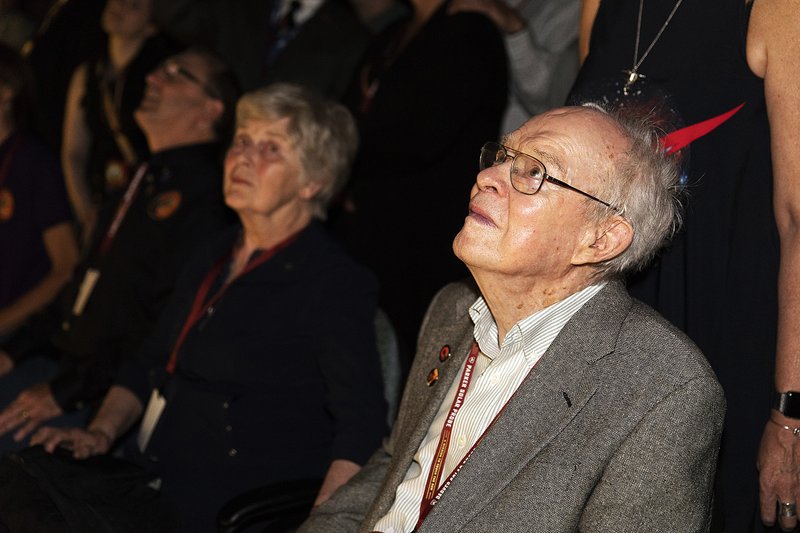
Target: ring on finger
24, 414
787, 509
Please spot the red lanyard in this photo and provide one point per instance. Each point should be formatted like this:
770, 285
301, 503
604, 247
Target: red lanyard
7, 160
122, 210
435, 473
201, 307
431, 495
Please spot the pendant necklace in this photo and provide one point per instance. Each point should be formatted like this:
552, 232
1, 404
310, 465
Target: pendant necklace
633, 75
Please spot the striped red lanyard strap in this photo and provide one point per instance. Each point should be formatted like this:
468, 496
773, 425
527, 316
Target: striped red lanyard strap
433, 491
437, 465
202, 306
122, 210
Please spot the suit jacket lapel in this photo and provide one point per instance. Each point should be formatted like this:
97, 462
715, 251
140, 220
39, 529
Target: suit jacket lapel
420, 402
557, 388
428, 404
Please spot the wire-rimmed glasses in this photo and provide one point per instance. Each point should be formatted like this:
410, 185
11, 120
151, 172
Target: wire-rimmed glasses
527, 172
173, 70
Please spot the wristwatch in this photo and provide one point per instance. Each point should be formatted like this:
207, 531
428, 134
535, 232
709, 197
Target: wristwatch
787, 403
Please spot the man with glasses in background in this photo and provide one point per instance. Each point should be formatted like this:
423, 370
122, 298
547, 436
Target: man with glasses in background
61, 364
544, 398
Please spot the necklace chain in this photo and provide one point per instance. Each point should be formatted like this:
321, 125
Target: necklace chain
633, 73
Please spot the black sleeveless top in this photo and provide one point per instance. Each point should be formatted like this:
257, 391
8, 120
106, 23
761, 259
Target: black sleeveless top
719, 276
127, 89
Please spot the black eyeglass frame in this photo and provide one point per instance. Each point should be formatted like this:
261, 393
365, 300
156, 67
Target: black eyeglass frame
495, 148
173, 70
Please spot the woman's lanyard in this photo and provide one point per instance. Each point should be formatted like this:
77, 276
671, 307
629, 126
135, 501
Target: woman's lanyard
201, 306
431, 495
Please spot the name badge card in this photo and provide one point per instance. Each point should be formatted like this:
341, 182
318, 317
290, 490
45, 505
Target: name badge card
151, 415
85, 291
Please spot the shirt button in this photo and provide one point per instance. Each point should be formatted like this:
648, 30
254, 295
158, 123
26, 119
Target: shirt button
493, 381
461, 441
225, 405
228, 428
232, 452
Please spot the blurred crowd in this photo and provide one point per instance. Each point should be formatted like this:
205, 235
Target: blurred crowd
139, 201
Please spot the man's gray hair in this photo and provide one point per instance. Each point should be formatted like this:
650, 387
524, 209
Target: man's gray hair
323, 132
645, 188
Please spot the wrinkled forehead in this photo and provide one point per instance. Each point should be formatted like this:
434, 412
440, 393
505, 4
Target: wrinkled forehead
580, 139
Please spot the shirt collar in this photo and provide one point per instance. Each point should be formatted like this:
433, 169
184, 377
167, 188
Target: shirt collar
532, 334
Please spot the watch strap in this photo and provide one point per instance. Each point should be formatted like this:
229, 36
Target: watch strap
787, 403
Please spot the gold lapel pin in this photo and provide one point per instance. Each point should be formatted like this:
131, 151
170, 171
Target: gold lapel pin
433, 376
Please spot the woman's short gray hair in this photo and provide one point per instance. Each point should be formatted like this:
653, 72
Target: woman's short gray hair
645, 189
323, 132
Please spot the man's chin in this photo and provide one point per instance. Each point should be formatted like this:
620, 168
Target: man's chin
144, 115
461, 246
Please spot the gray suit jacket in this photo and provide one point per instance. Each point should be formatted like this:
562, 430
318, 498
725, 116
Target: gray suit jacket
616, 429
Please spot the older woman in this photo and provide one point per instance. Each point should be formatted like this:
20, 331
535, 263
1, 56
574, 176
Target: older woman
264, 362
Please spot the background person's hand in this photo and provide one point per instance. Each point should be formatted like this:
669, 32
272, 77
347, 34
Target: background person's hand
779, 471
507, 19
83, 442
32, 407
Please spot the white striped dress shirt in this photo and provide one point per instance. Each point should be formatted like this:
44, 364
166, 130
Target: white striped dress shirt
498, 375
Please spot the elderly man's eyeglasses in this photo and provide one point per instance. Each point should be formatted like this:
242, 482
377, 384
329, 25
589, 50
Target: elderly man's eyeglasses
527, 172
173, 71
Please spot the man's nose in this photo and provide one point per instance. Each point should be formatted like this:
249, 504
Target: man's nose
494, 178
156, 76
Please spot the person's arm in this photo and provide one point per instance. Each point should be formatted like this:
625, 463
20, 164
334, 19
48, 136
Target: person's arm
62, 250
507, 18
339, 473
121, 408
661, 478
539, 49
345, 511
773, 52
75, 151
588, 13
351, 369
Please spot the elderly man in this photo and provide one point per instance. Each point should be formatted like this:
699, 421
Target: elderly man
548, 399
142, 240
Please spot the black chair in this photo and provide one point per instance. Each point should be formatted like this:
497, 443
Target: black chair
276, 508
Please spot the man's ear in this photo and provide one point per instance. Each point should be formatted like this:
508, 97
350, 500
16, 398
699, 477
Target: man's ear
213, 110
605, 241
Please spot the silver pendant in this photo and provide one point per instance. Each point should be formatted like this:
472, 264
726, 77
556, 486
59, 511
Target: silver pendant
633, 77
